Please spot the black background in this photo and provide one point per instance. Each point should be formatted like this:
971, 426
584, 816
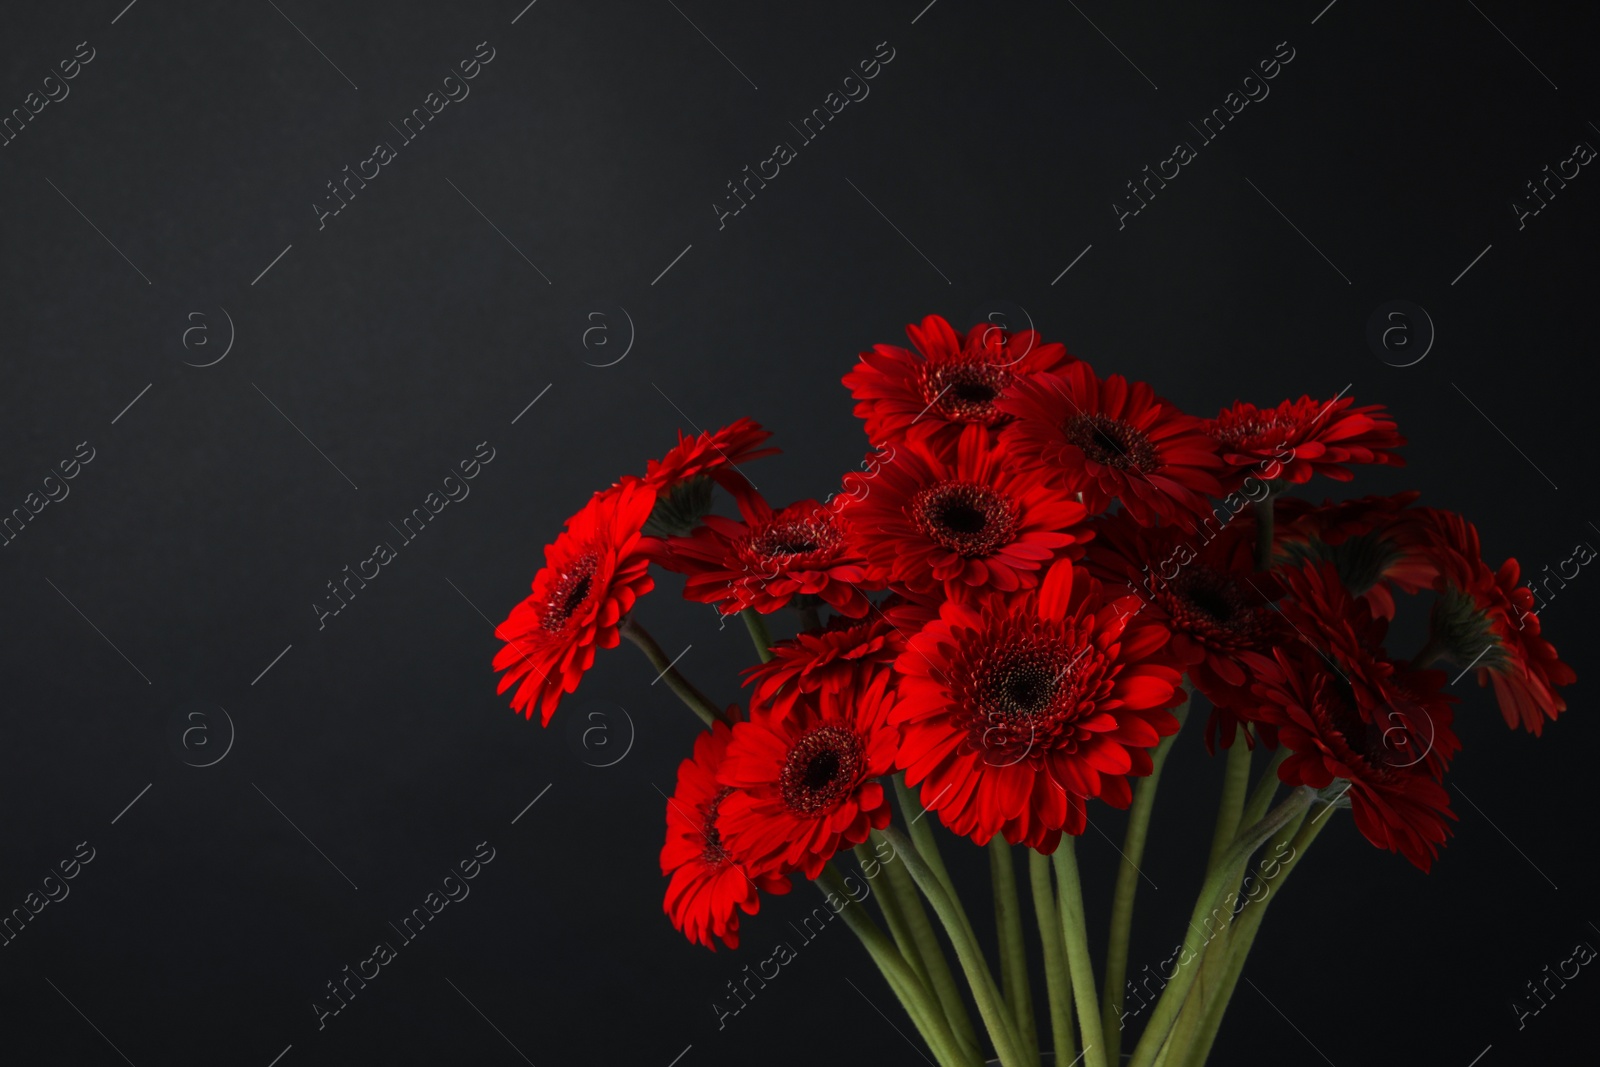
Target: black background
408, 330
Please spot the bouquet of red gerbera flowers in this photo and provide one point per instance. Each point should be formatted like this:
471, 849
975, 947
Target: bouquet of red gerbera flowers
1002, 619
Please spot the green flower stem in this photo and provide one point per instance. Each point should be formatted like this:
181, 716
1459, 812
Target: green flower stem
1245, 928
810, 617
894, 915
1266, 788
911, 994
1219, 952
1144, 801
1235, 780
927, 845
1002, 1029
1211, 893
1058, 982
922, 835
1229, 818
759, 634
1167, 1050
1075, 933
1230, 813
940, 978
697, 701
1013, 950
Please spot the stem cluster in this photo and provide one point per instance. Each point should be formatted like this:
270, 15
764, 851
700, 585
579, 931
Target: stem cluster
1086, 1021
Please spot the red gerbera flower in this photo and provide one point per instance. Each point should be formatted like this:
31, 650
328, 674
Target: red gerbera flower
1486, 620
1016, 710
592, 575
1347, 640
838, 658
1299, 438
683, 477
1114, 440
804, 782
769, 558
715, 453
951, 383
1397, 805
966, 516
1209, 594
1378, 544
708, 887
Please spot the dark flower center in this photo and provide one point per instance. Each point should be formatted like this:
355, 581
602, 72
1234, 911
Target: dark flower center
1111, 442
1022, 693
966, 392
1020, 689
714, 854
784, 538
972, 392
784, 544
965, 517
569, 592
821, 768
1255, 431
1365, 739
1212, 605
1213, 595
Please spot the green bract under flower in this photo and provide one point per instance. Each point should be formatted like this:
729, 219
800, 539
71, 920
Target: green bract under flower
679, 509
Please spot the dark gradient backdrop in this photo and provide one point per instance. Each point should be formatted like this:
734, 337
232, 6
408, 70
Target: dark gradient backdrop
574, 190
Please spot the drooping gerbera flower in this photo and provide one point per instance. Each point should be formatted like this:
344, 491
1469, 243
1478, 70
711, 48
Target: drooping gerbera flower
1485, 620
713, 452
684, 476
966, 516
1377, 544
709, 887
1299, 438
1112, 439
1208, 593
805, 782
1396, 803
1016, 710
838, 658
1322, 613
948, 383
1346, 639
592, 575
769, 558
